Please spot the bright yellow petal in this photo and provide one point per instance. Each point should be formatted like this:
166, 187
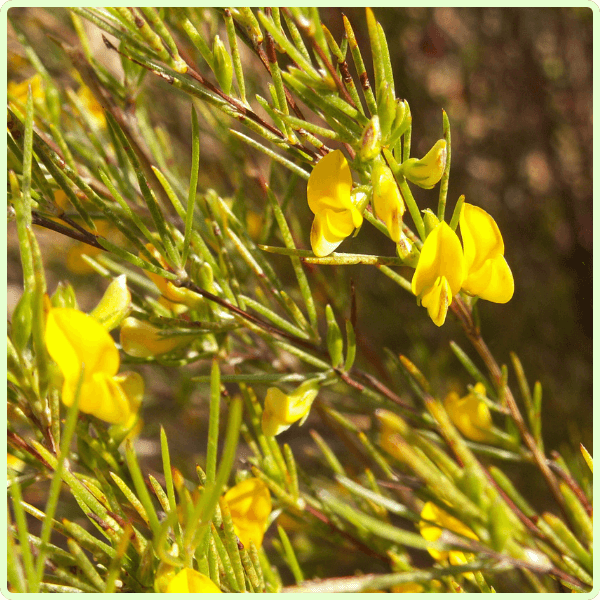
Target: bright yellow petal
338, 224
189, 581
281, 410
330, 183
73, 338
321, 240
493, 281
112, 404
482, 239
437, 300
250, 506
470, 415
441, 255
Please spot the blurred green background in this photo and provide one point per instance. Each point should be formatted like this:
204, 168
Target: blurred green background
517, 86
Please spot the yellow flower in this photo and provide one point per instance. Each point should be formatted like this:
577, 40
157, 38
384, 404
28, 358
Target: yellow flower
18, 91
440, 272
189, 581
431, 512
469, 414
73, 340
388, 204
427, 171
487, 272
93, 107
170, 291
142, 340
281, 410
329, 198
250, 506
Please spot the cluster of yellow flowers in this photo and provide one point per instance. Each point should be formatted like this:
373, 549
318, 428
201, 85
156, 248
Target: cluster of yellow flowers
478, 266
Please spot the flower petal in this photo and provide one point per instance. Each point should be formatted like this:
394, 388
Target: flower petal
470, 415
437, 300
441, 255
321, 240
189, 581
330, 183
73, 338
482, 239
250, 505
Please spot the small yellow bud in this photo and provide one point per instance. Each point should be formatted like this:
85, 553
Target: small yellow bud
370, 141
114, 305
427, 171
281, 410
143, 340
388, 203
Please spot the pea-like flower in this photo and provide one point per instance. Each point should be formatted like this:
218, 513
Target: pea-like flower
433, 513
189, 581
250, 506
329, 198
170, 291
440, 272
281, 409
487, 272
75, 340
427, 171
388, 204
143, 340
470, 414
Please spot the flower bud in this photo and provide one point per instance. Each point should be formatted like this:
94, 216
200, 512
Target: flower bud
64, 296
470, 414
223, 65
386, 109
401, 124
427, 171
430, 220
370, 141
407, 251
388, 203
114, 305
142, 340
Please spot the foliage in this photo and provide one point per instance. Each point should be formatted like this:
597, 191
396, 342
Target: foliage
202, 280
